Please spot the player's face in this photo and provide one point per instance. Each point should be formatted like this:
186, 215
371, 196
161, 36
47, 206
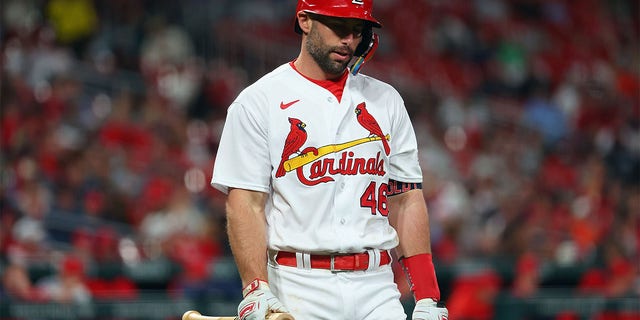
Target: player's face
332, 41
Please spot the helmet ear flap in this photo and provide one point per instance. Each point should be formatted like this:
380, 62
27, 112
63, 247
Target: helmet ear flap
367, 37
366, 54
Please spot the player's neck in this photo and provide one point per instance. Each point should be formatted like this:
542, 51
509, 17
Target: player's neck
306, 66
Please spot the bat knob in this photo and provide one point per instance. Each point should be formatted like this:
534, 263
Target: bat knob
191, 314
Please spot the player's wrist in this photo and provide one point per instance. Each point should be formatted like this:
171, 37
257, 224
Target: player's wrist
254, 285
421, 275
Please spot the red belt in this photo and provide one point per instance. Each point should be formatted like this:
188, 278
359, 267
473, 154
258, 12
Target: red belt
339, 262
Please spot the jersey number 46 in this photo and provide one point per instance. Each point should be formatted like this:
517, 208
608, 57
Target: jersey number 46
375, 198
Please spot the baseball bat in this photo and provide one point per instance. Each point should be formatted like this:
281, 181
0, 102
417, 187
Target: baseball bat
309, 157
195, 315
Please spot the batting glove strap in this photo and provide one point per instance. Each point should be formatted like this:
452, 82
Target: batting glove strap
258, 302
429, 309
254, 285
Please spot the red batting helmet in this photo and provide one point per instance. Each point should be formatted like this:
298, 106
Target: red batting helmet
357, 9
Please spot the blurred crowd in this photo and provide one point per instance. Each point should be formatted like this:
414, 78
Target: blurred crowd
527, 114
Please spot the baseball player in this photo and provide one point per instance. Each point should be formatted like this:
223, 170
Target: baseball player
320, 167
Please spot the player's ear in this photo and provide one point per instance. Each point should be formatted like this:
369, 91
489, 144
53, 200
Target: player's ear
304, 21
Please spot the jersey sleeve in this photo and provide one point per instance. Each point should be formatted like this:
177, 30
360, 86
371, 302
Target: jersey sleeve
242, 160
404, 160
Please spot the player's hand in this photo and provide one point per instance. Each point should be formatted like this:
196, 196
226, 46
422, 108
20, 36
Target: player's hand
427, 309
258, 302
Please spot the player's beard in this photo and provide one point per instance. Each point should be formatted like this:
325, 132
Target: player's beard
321, 54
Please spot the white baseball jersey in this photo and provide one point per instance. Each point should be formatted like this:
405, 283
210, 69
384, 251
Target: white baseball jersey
322, 161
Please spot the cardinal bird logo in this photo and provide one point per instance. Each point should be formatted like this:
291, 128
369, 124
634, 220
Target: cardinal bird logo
368, 122
295, 139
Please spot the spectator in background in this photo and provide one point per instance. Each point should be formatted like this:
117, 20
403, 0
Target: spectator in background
179, 215
169, 63
28, 243
526, 276
74, 21
473, 295
68, 285
17, 286
543, 116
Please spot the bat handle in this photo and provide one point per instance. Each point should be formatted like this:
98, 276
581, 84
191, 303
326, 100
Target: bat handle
280, 316
195, 315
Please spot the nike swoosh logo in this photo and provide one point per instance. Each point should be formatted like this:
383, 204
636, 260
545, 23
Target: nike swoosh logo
287, 105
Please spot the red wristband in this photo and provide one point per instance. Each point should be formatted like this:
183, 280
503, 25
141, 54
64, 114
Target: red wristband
421, 276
